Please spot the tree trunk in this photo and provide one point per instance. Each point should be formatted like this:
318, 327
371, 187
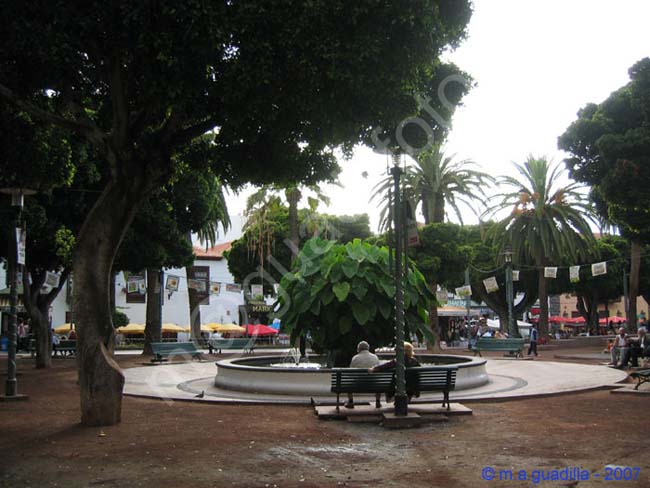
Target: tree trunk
38, 307
112, 290
293, 197
153, 326
543, 304
635, 267
194, 301
425, 208
439, 208
100, 378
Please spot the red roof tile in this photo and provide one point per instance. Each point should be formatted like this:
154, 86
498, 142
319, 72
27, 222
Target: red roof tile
212, 253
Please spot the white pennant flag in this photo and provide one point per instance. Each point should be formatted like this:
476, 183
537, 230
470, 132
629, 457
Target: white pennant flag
464, 291
515, 275
574, 274
598, 269
52, 279
491, 284
550, 272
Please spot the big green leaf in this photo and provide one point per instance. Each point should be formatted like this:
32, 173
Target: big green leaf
350, 268
341, 290
361, 311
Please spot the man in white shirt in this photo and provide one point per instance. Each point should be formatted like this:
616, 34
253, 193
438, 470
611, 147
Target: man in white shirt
619, 347
364, 359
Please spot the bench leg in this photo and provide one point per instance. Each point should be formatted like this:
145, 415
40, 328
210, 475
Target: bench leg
338, 402
377, 400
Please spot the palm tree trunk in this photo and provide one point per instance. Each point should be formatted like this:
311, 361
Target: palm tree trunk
635, 267
439, 208
543, 304
293, 197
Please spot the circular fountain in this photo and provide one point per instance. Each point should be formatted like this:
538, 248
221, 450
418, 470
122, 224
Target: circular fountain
272, 375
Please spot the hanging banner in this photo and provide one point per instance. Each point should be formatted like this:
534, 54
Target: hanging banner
598, 269
441, 296
550, 272
491, 284
199, 276
257, 291
464, 291
19, 279
574, 274
515, 275
196, 285
136, 287
172, 283
21, 237
52, 279
215, 288
276, 288
233, 288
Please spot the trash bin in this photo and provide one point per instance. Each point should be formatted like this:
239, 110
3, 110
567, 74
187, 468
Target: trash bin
4, 343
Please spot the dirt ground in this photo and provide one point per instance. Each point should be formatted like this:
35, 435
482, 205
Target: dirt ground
187, 444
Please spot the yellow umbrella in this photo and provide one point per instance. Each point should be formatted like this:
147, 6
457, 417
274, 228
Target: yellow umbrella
227, 328
172, 328
131, 329
64, 329
204, 328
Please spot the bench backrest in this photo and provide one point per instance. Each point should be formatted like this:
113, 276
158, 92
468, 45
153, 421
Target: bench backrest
235, 343
168, 348
431, 378
355, 380
490, 342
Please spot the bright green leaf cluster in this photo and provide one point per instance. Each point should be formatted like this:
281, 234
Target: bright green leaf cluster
340, 294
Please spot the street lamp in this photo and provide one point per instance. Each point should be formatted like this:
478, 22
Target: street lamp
510, 294
17, 202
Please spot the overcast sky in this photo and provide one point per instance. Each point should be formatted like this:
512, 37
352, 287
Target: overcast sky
535, 62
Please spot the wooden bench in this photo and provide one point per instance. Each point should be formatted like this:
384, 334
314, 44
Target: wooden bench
163, 350
513, 346
65, 348
355, 380
432, 378
418, 380
248, 345
643, 376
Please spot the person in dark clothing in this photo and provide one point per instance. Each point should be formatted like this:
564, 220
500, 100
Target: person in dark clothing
638, 348
533, 341
410, 361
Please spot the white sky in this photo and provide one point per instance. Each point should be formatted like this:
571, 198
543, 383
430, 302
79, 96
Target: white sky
536, 62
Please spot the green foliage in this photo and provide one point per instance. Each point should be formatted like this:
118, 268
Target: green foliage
434, 182
442, 255
547, 221
609, 145
340, 294
120, 319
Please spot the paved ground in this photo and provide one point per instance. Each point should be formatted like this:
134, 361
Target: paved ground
192, 444
508, 378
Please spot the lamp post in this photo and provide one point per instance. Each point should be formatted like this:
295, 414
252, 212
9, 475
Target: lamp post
513, 330
17, 202
401, 400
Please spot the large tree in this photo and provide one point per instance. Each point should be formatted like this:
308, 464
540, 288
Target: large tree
546, 221
282, 83
609, 145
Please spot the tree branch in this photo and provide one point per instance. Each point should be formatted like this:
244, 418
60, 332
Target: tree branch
119, 104
86, 128
186, 135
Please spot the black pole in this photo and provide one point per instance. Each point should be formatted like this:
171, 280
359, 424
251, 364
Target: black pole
401, 401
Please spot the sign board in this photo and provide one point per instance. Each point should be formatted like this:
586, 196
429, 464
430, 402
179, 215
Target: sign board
136, 288
21, 237
198, 281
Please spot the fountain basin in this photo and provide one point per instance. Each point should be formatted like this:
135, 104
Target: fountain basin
255, 375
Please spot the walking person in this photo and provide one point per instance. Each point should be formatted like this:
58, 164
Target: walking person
533, 340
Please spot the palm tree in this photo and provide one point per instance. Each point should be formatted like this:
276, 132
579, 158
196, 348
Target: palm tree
548, 221
435, 182
293, 194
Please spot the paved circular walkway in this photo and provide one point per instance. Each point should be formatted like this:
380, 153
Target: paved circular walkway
508, 379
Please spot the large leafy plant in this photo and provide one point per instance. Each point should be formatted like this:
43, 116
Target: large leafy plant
340, 294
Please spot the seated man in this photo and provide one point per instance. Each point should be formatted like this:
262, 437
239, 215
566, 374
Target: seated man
363, 359
619, 346
636, 348
410, 361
